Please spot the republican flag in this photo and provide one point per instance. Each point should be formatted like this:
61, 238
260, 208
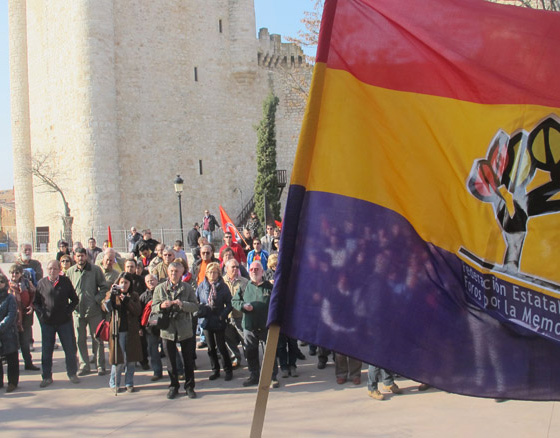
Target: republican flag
227, 225
422, 225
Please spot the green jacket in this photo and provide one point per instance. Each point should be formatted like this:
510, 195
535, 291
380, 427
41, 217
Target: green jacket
180, 326
259, 298
91, 288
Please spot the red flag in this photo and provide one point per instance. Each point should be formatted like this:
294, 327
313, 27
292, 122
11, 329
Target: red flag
109, 238
278, 224
228, 226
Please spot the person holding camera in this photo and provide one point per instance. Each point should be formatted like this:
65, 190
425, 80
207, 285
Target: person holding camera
215, 305
124, 305
178, 300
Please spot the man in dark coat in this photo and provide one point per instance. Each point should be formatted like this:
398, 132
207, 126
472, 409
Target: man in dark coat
55, 300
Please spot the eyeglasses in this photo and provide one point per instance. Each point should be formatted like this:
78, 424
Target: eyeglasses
254, 269
234, 267
205, 252
168, 255
65, 261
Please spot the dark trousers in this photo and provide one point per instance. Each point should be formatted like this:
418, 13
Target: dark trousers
287, 352
234, 335
216, 340
67, 339
12, 360
170, 349
25, 338
252, 340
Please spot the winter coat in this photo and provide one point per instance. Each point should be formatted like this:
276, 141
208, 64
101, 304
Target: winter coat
90, 287
213, 317
180, 326
133, 345
259, 298
8, 323
54, 304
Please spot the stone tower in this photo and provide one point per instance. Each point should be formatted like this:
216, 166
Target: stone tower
123, 95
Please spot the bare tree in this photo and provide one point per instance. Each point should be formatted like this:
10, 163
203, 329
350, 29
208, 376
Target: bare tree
548, 5
46, 176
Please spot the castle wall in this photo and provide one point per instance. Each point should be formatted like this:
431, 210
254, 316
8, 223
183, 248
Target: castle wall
116, 102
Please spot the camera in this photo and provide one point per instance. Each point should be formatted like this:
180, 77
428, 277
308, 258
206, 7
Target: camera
116, 289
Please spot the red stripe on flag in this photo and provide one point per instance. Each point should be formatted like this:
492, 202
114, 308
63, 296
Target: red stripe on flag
469, 50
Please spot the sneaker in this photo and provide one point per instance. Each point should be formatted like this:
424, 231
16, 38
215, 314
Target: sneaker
375, 394
156, 377
130, 389
32, 367
275, 384
285, 374
11, 387
214, 375
341, 380
101, 372
321, 365
172, 393
45, 382
190, 392
73, 379
251, 381
84, 372
293, 372
393, 388
201, 345
229, 376
357, 380
424, 387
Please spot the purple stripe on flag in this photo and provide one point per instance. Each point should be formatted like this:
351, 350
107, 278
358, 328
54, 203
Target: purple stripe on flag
356, 278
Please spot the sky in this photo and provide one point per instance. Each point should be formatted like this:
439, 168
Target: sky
279, 16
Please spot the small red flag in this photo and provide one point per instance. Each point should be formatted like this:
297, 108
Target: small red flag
110, 237
278, 224
227, 225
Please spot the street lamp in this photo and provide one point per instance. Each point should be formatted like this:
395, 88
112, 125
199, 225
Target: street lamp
179, 189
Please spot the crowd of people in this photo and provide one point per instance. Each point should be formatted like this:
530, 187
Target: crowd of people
151, 304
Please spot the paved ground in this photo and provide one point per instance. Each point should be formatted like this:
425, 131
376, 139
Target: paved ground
308, 406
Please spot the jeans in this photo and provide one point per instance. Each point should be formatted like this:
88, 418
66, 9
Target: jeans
376, 375
170, 349
153, 352
216, 341
67, 339
12, 360
82, 325
252, 340
287, 352
25, 338
129, 367
208, 235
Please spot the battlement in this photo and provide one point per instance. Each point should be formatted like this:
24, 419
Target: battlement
272, 52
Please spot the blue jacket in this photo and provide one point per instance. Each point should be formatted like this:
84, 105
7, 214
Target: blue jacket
263, 255
216, 317
8, 323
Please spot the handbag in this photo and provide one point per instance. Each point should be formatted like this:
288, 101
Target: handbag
159, 320
103, 330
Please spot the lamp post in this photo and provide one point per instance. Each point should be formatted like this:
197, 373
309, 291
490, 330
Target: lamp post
179, 189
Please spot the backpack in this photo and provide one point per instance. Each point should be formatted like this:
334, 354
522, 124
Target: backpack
29, 274
146, 314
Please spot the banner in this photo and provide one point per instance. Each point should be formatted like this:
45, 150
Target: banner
422, 219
